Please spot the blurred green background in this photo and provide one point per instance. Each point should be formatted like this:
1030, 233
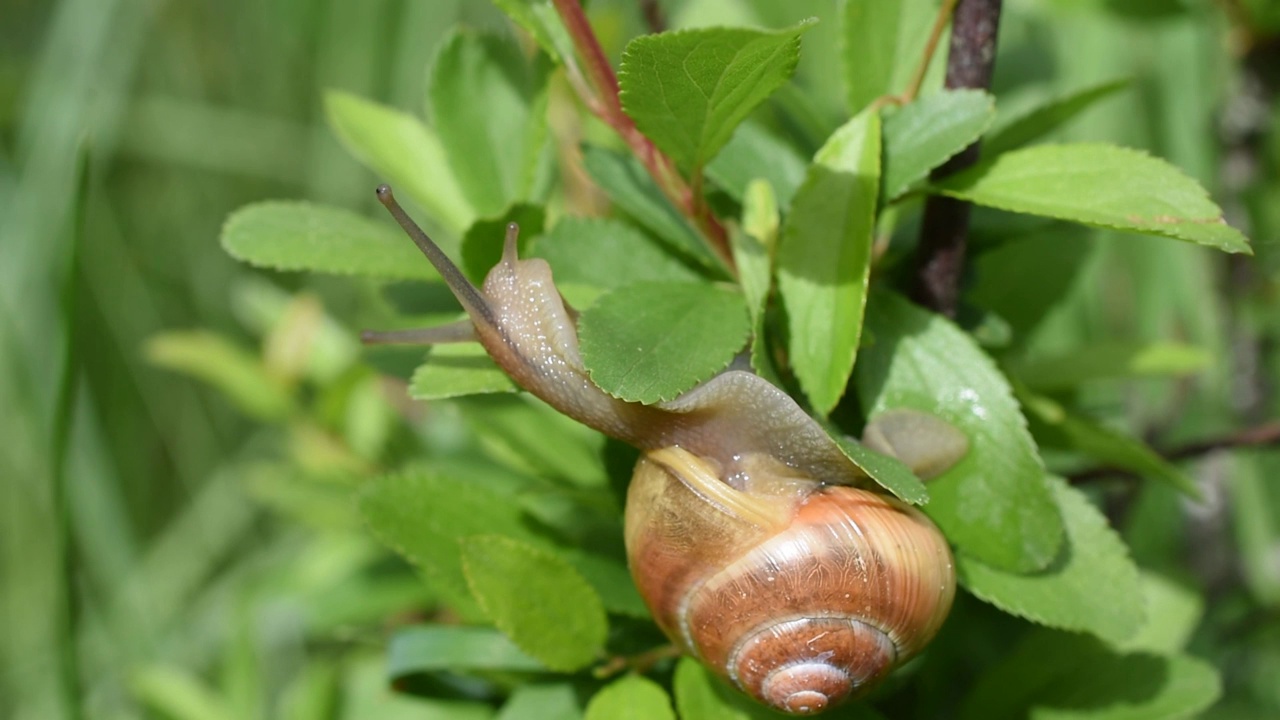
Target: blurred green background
172, 550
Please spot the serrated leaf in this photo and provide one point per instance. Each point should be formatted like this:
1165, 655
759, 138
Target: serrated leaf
422, 515
824, 258
926, 133
1046, 117
631, 698
458, 370
452, 648
1055, 426
756, 154
1174, 611
650, 342
889, 472
1058, 676
631, 189
489, 108
1091, 586
302, 236
237, 373
688, 90
1101, 186
1101, 361
994, 504
404, 152
881, 43
482, 244
537, 599
606, 254
612, 581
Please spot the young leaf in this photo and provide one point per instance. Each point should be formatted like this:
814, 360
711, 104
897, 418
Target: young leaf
301, 236
607, 254
1046, 117
1059, 675
451, 648
889, 472
688, 90
456, 370
630, 188
927, 132
236, 373
921, 361
881, 44
1101, 186
1092, 585
537, 599
404, 152
634, 697
824, 258
652, 341
754, 154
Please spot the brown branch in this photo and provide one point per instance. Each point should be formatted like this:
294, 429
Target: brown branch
1265, 435
606, 102
653, 15
944, 229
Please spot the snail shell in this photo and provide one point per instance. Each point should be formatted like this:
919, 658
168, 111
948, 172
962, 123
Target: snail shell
752, 538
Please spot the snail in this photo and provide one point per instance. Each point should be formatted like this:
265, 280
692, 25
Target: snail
753, 539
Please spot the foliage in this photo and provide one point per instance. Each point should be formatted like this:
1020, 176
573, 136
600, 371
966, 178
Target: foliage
219, 505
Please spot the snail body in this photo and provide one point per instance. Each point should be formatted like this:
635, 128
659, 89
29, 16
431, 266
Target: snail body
755, 542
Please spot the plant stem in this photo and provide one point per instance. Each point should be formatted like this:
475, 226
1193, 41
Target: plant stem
944, 230
926, 59
1265, 435
606, 103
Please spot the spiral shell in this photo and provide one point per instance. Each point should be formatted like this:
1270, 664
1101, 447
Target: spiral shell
801, 596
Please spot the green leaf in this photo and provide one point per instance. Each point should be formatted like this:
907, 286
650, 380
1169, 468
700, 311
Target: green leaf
1055, 426
612, 580
1046, 117
889, 472
456, 370
1255, 509
489, 107
558, 701
1057, 676
753, 246
631, 698
1100, 186
702, 695
881, 44
483, 242
1115, 360
530, 437
1174, 611
422, 514
238, 374
652, 341
756, 154
824, 259
631, 189
539, 18
928, 132
178, 694
688, 90
994, 504
537, 599
1091, 586
406, 153
302, 236
1023, 299
452, 648
607, 254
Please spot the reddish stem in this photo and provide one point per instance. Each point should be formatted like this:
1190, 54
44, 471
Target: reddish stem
606, 103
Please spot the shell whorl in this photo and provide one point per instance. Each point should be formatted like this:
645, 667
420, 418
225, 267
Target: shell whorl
801, 608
